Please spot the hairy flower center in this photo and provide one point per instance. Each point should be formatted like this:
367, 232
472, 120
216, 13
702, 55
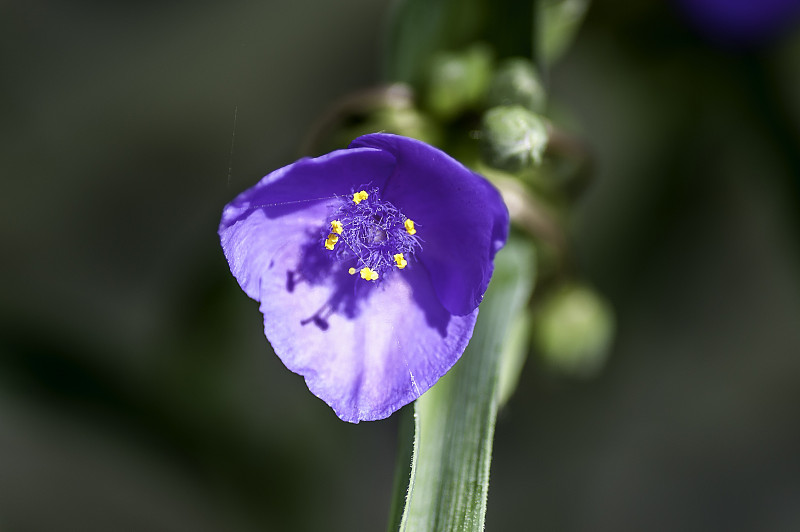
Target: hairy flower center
378, 233
373, 233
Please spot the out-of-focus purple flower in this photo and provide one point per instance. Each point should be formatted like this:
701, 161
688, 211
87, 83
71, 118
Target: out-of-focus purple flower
742, 21
369, 264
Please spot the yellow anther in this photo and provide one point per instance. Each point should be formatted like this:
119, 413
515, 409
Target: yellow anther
331, 240
369, 275
351, 271
358, 197
400, 260
337, 227
409, 223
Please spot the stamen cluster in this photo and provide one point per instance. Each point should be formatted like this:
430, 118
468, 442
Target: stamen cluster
374, 233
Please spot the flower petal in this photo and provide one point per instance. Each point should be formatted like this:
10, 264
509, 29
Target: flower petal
366, 350
461, 218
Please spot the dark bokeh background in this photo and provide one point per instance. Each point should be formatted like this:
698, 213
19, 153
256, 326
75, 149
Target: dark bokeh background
137, 391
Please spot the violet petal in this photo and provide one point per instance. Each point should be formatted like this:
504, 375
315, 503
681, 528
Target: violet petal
462, 220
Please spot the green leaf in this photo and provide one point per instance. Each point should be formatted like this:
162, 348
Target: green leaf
515, 350
401, 472
454, 421
558, 22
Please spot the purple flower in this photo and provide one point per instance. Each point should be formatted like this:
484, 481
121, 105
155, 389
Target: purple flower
369, 264
742, 21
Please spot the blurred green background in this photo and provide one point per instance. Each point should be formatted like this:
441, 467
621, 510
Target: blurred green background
137, 391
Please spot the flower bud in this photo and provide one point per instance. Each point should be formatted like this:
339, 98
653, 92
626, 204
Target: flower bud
390, 109
573, 330
513, 138
458, 81
742, 23
517, 83
406, 121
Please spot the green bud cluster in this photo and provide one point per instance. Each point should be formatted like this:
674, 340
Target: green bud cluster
513, 133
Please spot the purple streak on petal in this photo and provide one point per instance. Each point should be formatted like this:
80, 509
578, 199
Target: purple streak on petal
364, 349
461, 219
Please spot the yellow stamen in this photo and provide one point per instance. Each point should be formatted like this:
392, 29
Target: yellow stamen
369, 275
351, 271
409, 223
358, 197
331, 240
337, 227
400, 260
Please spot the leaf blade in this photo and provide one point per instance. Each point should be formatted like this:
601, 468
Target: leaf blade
455, 420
